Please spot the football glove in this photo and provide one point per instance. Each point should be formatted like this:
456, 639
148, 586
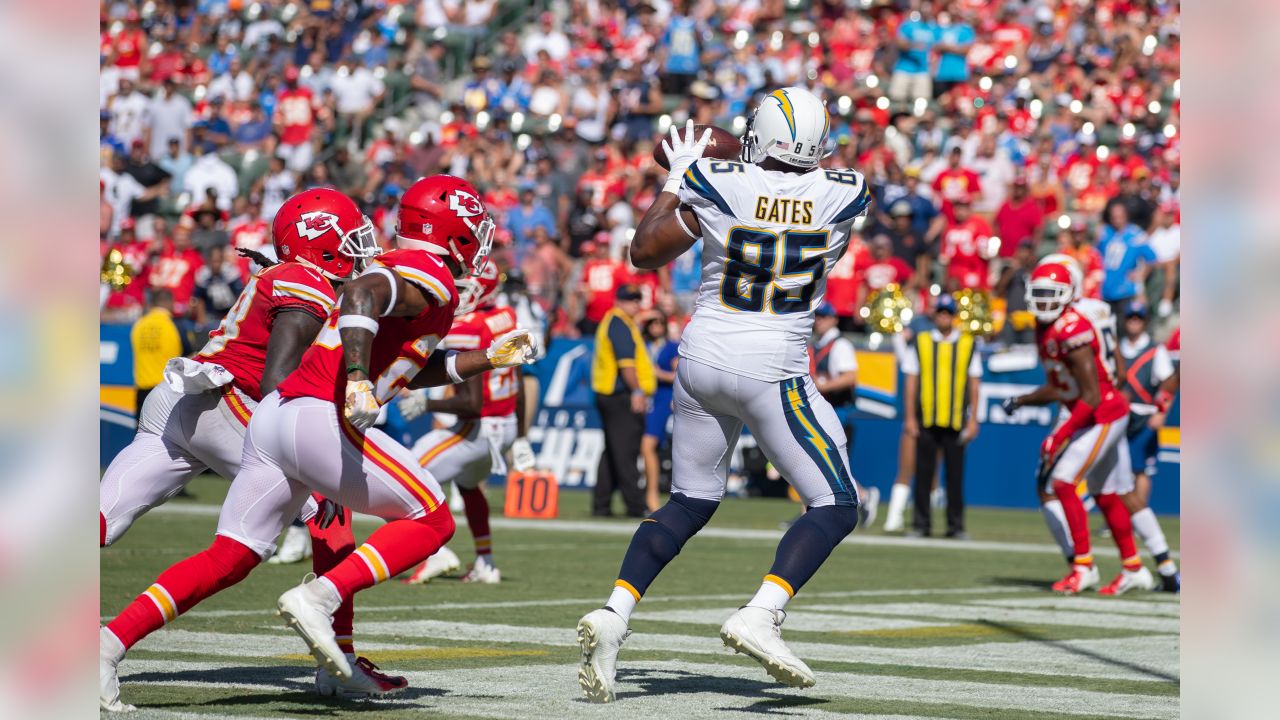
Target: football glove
1009, 405
683, 152
518, 347
412, 404
361, 406
328, 512
522, 457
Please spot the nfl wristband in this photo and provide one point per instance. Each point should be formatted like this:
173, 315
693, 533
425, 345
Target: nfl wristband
354, 367
359, 322
673, 183
451, 367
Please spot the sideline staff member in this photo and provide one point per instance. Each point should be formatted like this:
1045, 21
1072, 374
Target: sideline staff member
623, 380
943, 373
155, 339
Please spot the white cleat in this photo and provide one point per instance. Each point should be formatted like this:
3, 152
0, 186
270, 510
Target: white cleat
308, 610
443, 562
757, 632
110, 653
600, 635
483, 573
295, 547
868, 509
366, 681
1140, 579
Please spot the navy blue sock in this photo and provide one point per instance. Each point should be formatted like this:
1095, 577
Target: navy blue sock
810, 540
660, 537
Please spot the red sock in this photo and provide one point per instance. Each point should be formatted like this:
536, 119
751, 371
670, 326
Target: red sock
178, 589
1121, 525
1077, 521
102, 530
477, 508
330, 546
392, 549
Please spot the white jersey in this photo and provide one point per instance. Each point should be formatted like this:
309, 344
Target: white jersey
770, 239
1099, 313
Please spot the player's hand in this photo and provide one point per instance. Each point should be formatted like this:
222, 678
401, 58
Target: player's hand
330, 511
522, 457
684, 151
970, 432
1010, 405
518, 347
412, 404
361, 406
1156, 421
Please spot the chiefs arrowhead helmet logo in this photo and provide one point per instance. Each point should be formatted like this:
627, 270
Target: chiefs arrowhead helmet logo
465, 204
312, 225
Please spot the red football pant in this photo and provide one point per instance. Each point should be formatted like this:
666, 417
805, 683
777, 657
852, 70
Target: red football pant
1077, 520
477, 509
329, 547
1118, 519
392, 549
181, 587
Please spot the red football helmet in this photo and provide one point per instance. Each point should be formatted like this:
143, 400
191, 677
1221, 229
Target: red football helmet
1049, 291
323, 229
478, 290
443, 215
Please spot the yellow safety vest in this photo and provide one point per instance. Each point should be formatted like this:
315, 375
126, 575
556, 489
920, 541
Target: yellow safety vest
944, 376
605, 364
155, 339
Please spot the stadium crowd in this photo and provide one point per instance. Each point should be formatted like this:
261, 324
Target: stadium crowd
991, 132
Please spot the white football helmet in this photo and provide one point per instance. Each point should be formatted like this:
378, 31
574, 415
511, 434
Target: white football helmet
790, 124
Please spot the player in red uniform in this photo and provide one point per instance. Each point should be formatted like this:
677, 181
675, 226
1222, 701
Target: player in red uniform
1088, 444
314, 434
490, 411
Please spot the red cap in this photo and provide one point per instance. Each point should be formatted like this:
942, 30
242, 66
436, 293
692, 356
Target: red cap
588, 247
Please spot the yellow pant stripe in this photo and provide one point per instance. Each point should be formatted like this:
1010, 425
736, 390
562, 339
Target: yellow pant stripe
627, 586
780, 583
376, 564
163, 601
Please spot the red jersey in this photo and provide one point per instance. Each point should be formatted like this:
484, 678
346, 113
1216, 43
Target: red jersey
1070, 331
598, 276
647, 281
965, 249
252, 235
133, 294
129, 46
477, 331
239, 344
295, 111
175, 270
402, 344
890, 270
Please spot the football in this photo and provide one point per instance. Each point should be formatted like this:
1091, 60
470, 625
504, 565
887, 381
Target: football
723, 145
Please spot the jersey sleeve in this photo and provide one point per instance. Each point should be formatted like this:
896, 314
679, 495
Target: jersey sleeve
1072, 331
843, 359
697, 191
849, 195
295, 287
423, 270
463, 336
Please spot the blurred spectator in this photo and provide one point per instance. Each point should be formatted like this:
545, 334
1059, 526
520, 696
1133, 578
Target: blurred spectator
834, 367
154, 181
955, 181
1166, 242
128, 112
530, 213
596, 287
275, 187
209, 172
844, 282
686, 277
1019, 219
883, 268
664, 348
155, 339
907, 243
119, 189
545, 37
356, 90
545, 266
169, 115
916, 38
954, 40
251, 232
622, 376
176, 163
680, 51
1020, 324
218, 284
966, 248
174, 265
295, 118
210, 230
995, 173
1126, 259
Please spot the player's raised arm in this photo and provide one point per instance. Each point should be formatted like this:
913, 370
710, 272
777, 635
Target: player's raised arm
518, 347
668, 228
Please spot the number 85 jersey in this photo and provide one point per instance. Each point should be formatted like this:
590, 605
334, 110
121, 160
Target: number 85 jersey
769, 239
1074, 329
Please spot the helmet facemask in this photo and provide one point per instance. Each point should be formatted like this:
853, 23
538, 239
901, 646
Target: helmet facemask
360, 244
1047, 299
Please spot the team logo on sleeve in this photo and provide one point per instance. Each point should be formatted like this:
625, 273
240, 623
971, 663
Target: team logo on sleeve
312, 225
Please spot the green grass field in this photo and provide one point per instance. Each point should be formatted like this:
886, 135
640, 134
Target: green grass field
893, 628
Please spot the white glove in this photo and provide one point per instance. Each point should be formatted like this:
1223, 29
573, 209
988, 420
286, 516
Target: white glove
1165, 308
361, 407
518, 347
412, 404
683, 152
522, 457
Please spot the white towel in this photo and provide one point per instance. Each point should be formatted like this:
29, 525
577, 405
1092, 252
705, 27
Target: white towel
189, 377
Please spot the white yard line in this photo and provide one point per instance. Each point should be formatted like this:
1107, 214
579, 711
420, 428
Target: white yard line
676, 689
990, 614
627, 529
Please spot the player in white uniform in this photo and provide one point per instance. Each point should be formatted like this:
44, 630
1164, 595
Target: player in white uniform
773, 225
